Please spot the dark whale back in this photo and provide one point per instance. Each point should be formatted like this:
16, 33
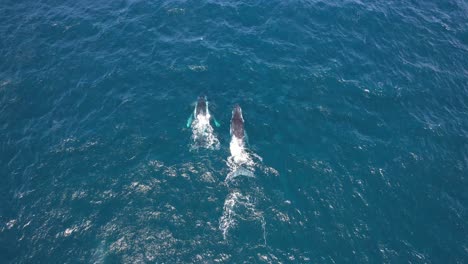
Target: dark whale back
237, 123
201, 106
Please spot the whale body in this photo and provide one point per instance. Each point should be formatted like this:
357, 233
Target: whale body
237, 123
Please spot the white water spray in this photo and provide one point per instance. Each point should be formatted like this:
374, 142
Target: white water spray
203, 135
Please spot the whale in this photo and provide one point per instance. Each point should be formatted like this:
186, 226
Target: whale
201, 113
237, 123
240, 161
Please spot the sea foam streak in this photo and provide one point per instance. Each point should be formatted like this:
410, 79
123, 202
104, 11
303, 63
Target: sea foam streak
237, 202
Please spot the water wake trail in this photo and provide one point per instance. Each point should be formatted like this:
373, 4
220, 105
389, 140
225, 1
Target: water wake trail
240, 206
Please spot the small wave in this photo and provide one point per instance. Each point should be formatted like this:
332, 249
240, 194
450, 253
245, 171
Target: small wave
197, 68
99, 255
203, 135
176, 11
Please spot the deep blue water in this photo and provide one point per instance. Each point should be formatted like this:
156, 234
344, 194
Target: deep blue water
356, 115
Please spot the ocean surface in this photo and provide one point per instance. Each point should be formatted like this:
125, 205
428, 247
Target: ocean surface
356, 115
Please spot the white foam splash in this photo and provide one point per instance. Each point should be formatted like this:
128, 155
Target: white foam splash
241, 162
239, 154
203, 135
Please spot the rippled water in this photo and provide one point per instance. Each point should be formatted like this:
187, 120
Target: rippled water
356, 115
